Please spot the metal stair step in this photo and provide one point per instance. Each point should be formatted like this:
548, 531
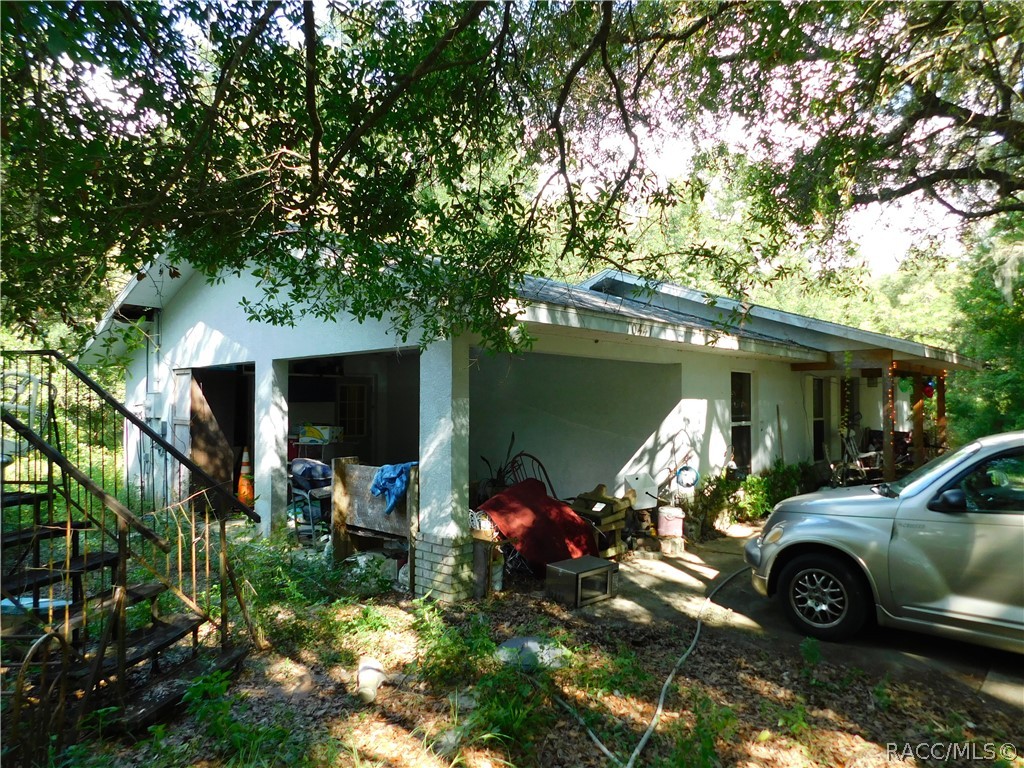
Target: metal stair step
9, 499
73, 616
53, 530
167, 693
144, 644
36, 578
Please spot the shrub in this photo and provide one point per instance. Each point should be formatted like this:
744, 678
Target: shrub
751, 498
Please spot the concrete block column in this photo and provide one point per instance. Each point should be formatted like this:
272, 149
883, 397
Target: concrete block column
270, 454
443, 547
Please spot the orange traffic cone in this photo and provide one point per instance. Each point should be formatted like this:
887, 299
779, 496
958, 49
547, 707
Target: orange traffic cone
246, 494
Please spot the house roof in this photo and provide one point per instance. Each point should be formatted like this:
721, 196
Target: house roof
614, 305
842, 345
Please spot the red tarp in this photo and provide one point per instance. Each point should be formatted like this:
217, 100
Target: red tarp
544, 530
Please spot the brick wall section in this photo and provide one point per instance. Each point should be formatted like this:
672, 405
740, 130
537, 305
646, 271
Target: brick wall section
444, 567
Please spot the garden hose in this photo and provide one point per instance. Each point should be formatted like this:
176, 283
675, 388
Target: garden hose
664, 689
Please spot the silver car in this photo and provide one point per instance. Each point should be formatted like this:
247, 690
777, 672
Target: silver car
940, 551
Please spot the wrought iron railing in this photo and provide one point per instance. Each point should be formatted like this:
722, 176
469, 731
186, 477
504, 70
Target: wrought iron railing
100, 514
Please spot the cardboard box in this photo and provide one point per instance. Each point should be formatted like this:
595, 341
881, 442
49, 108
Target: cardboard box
319, 434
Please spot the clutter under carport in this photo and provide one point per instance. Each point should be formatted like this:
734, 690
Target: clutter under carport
571, 544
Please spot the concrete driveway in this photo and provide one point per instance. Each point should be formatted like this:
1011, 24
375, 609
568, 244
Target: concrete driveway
661, 589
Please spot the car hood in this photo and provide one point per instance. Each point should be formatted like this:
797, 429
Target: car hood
859, 501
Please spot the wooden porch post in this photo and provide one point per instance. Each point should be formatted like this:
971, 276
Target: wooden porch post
918, 420
889, 423
940, 411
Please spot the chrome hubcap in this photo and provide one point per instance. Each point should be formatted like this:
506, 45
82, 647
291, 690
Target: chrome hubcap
818, 598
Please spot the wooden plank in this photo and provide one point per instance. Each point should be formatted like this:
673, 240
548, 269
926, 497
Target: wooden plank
29, 580
889, 426
54, 530
71, 617
918, 421
145, 643
412, 507
156, 701
366, 510
844, 363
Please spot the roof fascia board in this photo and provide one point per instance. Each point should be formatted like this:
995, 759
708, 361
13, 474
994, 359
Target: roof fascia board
844, 337
542, 315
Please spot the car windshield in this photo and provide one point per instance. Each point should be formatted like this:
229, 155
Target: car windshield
914, 481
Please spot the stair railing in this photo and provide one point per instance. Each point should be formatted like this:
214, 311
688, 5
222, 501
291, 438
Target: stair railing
106, 487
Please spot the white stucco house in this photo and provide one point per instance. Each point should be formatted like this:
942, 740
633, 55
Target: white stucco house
622, 378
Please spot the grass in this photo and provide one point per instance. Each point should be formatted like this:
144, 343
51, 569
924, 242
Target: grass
455, 704
697, 744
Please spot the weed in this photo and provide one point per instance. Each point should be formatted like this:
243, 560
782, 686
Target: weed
698, 746
510, 708
794, 719
450, 654
622, 674
810, 651
370, 620
239, 743
82, 755
954, 728
881, 695
98, 720
365, 576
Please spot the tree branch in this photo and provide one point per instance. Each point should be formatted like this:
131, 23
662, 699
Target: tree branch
309, 30
599, 38
1012, 131
620, 104
1007, 183
423, 68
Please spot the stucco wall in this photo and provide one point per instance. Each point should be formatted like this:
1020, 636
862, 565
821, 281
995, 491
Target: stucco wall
596, 421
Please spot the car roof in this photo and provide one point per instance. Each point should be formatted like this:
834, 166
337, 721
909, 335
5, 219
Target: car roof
1003, 440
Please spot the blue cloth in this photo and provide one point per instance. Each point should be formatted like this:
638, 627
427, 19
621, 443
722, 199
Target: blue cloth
391, 480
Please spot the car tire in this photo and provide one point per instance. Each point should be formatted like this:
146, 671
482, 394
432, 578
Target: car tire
823, 596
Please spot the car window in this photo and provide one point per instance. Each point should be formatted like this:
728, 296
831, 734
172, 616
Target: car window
996, 485
923, 475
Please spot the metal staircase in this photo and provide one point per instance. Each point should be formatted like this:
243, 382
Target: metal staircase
116, 577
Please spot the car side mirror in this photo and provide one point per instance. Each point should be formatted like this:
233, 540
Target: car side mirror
953, 500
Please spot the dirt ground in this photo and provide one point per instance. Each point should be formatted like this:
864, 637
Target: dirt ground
735, 701
743, 697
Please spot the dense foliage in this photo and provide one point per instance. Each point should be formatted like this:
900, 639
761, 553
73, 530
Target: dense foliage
991, 302
414, 159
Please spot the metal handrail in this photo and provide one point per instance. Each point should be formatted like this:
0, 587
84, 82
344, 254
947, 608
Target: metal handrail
84, 480
213, 485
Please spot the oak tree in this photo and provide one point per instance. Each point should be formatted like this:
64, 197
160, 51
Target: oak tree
413, 159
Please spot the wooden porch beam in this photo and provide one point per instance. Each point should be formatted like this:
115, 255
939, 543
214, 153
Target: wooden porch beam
909, 369
940, 411
842, 363
889, 426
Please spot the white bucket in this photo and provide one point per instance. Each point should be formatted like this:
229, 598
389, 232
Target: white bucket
670, 521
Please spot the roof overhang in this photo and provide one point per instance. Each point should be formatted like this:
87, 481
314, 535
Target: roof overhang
139, 300
844, 348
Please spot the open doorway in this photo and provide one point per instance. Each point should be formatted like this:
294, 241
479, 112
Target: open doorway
221, 401
364, 405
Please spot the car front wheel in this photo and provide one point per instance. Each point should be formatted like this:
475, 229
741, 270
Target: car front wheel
823, 597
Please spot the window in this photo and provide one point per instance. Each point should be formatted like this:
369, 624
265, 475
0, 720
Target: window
996, 485
818, 418
742, 416
353, 407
